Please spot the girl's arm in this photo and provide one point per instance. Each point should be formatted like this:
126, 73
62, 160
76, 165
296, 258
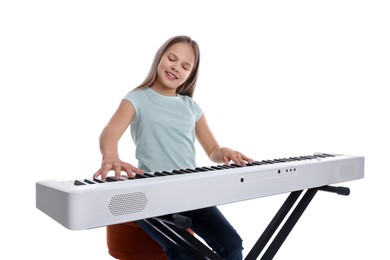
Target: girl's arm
216, 153
109, 139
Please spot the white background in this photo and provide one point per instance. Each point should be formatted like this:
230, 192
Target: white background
277, 78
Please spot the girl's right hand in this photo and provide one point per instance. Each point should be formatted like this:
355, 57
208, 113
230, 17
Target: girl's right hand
118, 166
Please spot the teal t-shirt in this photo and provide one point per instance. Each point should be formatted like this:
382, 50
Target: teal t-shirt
163, 130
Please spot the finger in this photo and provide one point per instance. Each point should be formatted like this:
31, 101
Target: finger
136, 170
124, 177
242, 159
225, 160
129, 173
104, 173
247, 159
97, 174
105, 169
101, 172
238, 159
133, 169
118, 170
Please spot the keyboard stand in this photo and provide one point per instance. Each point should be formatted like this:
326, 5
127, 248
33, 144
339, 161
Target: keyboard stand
174, 227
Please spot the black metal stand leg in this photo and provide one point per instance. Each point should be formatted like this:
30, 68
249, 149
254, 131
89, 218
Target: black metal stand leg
273, 225
289, 225
184, 239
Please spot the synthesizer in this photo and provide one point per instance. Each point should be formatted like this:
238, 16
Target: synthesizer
91, 203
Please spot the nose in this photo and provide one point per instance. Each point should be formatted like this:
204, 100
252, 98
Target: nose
174, 68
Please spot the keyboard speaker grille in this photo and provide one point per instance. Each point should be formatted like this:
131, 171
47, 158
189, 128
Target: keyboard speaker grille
124, 205
127, 203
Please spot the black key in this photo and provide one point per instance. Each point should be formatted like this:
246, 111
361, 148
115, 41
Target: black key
78, 183
177, 172
250, 164
222, 167
185, 171
199, 169
308, 157
111, 179
168, 173
324, 155
258, 163
295, 159
328, 155
288, 159
192, 170
160, 174
280, 160
88, 181
236, 165
139, 176
98, 181
149, 174
268, 161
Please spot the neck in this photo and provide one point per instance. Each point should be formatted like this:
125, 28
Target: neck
165, 91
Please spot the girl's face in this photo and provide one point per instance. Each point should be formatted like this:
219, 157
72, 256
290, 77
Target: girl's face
174, 68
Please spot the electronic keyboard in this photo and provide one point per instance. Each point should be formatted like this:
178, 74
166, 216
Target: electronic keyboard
91, 203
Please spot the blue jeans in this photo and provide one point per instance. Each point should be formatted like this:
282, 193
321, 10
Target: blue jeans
212, 227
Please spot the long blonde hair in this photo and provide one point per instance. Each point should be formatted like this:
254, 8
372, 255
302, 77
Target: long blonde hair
188, 87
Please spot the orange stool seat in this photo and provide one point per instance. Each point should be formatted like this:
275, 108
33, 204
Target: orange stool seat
128, 241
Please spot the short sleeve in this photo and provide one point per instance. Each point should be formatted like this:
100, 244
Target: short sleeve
198, 112
134, 97
193, 107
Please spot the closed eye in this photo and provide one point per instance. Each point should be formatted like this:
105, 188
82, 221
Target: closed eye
171, 57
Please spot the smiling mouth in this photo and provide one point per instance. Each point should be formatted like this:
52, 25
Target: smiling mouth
171, 75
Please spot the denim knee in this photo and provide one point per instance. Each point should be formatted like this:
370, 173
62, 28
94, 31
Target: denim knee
175, 252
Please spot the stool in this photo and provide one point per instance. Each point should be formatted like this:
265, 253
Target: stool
128, 241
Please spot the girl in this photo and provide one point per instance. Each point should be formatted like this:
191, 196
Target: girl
164, 122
